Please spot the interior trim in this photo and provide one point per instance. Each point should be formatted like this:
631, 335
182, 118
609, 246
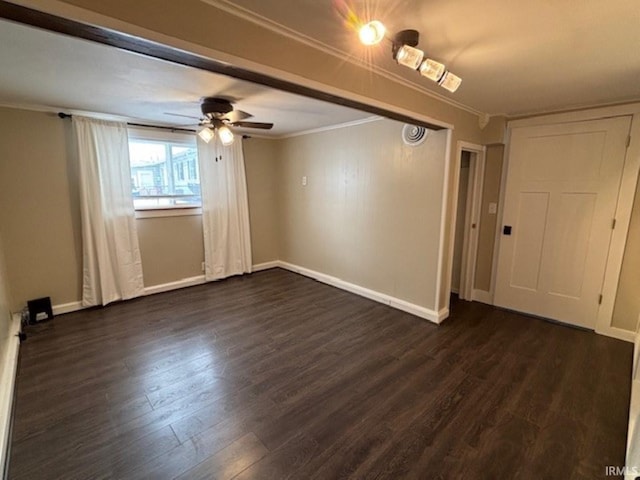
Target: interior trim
8, 374
332, 127
46, 21
264, 22
394, 302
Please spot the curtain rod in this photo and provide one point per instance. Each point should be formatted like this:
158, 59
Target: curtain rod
173, 129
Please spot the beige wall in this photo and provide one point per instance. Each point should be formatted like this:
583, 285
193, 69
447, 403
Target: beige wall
370, 212
40, 219
627, 307
171, 248
262, 166
39, 216
5, 309
486, 235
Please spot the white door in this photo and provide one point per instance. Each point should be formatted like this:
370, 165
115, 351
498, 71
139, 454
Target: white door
562, 187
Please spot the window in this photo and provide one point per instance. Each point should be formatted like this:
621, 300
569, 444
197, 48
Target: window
164, 170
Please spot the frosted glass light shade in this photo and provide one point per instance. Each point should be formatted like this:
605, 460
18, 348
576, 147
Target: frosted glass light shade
372, 32
226, 136
450, 82
409, 56
432, 70
206, 134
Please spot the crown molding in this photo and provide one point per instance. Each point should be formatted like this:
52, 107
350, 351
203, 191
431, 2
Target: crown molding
327, 128
264, 22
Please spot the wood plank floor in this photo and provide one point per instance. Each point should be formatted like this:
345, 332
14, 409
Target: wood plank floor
274, 375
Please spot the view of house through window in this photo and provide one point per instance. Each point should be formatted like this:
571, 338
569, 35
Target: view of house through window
164, 173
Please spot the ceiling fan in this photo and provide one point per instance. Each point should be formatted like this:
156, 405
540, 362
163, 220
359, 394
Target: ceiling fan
219, 115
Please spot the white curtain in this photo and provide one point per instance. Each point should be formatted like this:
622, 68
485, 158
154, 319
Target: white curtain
112, 268
225, 209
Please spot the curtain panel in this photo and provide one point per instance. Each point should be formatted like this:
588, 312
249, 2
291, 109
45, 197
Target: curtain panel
112, 266
225, 209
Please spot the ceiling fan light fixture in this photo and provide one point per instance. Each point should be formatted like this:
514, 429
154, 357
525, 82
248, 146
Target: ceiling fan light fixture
450, 82
432, 70
206, 134
372, 33
226, 136
409, 56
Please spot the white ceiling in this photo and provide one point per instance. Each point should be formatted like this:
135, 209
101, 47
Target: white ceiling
50, 71
515, 56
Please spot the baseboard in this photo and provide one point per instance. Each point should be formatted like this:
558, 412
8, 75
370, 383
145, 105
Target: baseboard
7, 385
417, 310
67, 308
163, 287
166, 287
265, 266
619, 333
482, 296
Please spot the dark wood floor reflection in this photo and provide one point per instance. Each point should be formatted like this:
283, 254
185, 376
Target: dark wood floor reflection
274, 375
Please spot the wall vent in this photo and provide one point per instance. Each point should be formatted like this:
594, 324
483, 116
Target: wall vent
413, 135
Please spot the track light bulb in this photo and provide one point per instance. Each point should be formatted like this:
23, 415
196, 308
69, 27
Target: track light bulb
432, 70
372, 33
409, 56
450, 81
226, 136
206, 134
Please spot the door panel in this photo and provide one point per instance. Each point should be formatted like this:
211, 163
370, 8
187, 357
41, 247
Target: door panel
529, 239
562, 187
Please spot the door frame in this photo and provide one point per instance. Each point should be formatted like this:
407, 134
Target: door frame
472, 216
624, 205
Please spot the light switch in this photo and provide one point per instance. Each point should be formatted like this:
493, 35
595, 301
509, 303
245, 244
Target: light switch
493, 208
304, 181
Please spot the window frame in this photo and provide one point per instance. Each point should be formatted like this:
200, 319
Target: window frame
143, 134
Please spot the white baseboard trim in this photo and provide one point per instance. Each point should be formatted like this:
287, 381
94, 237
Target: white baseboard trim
67, 308
265, 266
166, 287
7, 384
482, 296
417, 310
619, 333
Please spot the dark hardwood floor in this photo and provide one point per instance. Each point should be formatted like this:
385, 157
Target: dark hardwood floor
274, 375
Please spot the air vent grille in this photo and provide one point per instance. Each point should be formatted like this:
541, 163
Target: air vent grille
413, 135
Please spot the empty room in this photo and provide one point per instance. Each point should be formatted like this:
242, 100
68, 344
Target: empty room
319, 239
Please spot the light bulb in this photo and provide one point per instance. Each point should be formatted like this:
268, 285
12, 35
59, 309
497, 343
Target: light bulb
226, 136
432, 70
206, 134
372, 32
409, 56
450, 81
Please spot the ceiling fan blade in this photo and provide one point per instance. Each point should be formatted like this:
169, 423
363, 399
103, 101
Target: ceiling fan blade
235, 116
180, 115
263, 126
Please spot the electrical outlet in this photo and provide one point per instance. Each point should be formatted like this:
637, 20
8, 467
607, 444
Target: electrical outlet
304, 181
202, 266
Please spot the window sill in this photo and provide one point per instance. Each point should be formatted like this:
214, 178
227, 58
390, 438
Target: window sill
168, 212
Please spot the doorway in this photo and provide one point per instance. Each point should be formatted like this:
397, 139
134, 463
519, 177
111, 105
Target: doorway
468, 186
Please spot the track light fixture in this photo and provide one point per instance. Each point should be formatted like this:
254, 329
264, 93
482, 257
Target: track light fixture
372, 33
404, 51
